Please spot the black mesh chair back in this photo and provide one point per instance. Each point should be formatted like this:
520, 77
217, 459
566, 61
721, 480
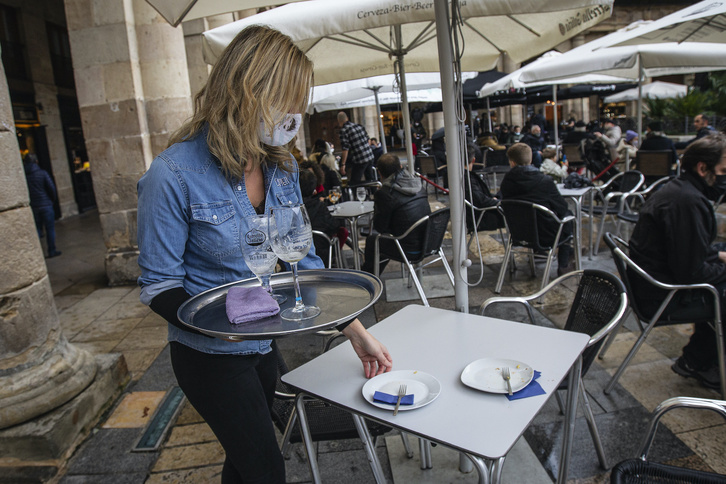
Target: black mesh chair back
573, 153
597, 301
427, 165
655, 163
435, 231
496, 158
523, 222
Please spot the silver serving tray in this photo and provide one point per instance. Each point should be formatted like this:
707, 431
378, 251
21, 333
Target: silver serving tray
341, 295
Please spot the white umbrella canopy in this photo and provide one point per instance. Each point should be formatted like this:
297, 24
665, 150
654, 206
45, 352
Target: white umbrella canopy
432, 95
702, 22
178, 11
520, 28
653, 90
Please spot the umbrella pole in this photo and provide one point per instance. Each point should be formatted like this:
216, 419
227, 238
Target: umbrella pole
489, 116
404, 99
453, 155
557, 121
381, 133
640, 101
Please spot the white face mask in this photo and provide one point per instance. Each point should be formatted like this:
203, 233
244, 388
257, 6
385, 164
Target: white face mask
283, 132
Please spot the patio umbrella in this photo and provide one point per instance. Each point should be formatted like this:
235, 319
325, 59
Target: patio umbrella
703, 22
352, 40
178, 11
654, 90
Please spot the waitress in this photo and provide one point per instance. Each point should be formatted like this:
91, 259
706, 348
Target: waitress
228, 162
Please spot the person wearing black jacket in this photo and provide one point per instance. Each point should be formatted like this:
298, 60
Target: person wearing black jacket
536, 142
320, 218
398, 204
42, 195
480, 196
526, 182
672, 242
655, 140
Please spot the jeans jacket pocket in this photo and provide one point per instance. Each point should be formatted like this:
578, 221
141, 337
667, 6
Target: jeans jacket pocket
214, 228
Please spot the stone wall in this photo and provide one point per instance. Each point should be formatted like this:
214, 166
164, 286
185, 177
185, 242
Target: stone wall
133, 92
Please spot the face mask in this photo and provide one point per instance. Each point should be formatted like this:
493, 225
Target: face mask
718, 188
283, 132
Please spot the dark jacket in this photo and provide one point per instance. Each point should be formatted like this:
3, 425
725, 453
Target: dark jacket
672, 239
705, 131
332, 178
40, 185
575, 137
529, 184
481, 197
400, 203
656, 142
537, 143
322, 220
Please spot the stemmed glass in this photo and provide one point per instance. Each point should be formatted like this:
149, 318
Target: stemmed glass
258, 254
360, 194
291, 235
334, 197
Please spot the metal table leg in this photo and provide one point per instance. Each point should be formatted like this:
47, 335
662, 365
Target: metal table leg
573, 387
354, 234
365, 437
307, 439
481, 468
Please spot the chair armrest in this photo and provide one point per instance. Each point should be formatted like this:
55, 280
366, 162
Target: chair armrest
525, 299
718, 406
405, 234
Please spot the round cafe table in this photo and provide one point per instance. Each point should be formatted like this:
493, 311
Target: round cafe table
341, 295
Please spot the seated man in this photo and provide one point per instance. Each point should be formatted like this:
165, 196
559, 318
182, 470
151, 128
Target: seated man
655, 140
480, 196
398, 204
672, 242
536, 142
700, 122
320, 217
525, 182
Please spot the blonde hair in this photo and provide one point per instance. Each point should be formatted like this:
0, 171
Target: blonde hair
260, 75
520, 154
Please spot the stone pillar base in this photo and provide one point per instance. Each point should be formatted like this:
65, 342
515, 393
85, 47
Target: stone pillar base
122, 267
35, 450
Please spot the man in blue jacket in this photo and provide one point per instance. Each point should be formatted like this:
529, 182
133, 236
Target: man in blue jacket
42, 195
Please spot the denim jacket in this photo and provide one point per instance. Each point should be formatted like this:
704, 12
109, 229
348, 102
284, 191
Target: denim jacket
189, 222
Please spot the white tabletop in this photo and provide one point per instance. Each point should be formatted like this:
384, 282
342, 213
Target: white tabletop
442, 343
572, 192
351, 209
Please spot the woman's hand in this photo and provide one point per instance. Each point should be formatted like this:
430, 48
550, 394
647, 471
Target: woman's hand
374, 356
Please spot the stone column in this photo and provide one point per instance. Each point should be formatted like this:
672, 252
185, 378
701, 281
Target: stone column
133, 92
46, 95
39, 369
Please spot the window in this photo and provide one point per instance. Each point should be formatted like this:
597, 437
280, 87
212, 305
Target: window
13, 48
60, 55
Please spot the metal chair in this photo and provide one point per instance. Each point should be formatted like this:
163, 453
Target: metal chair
326, 422
642, 471
333, 249
522, 219
489, 225
431, 246
612, 197
597, 308
427, 167
664, 315
657, 164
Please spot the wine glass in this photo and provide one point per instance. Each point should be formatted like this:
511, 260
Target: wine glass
335, 196
258, 254
360, 194
291, 236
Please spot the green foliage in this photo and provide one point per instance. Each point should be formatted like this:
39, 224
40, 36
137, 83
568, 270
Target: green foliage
717, 81
657, 108
693, 103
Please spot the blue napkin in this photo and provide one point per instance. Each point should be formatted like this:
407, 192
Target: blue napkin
531, 390
245, 304
381, 397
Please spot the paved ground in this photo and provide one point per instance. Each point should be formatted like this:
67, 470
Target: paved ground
103, 320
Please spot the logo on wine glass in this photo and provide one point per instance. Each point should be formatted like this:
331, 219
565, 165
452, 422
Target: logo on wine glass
255, 237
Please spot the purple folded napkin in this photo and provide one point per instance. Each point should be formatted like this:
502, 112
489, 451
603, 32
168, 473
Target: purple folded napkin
531, 390
245, 304
381, 397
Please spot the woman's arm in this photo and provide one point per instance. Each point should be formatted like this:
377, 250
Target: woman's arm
374, 356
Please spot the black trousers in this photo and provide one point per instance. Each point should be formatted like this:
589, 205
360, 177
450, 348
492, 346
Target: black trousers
360, 172
234, 395
701, 352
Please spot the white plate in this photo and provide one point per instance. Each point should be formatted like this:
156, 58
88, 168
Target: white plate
486, 375
425, 388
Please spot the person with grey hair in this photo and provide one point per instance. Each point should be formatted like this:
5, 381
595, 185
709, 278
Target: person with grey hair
673, 242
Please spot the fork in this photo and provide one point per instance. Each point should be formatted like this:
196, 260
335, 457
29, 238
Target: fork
401, 394
506, 375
